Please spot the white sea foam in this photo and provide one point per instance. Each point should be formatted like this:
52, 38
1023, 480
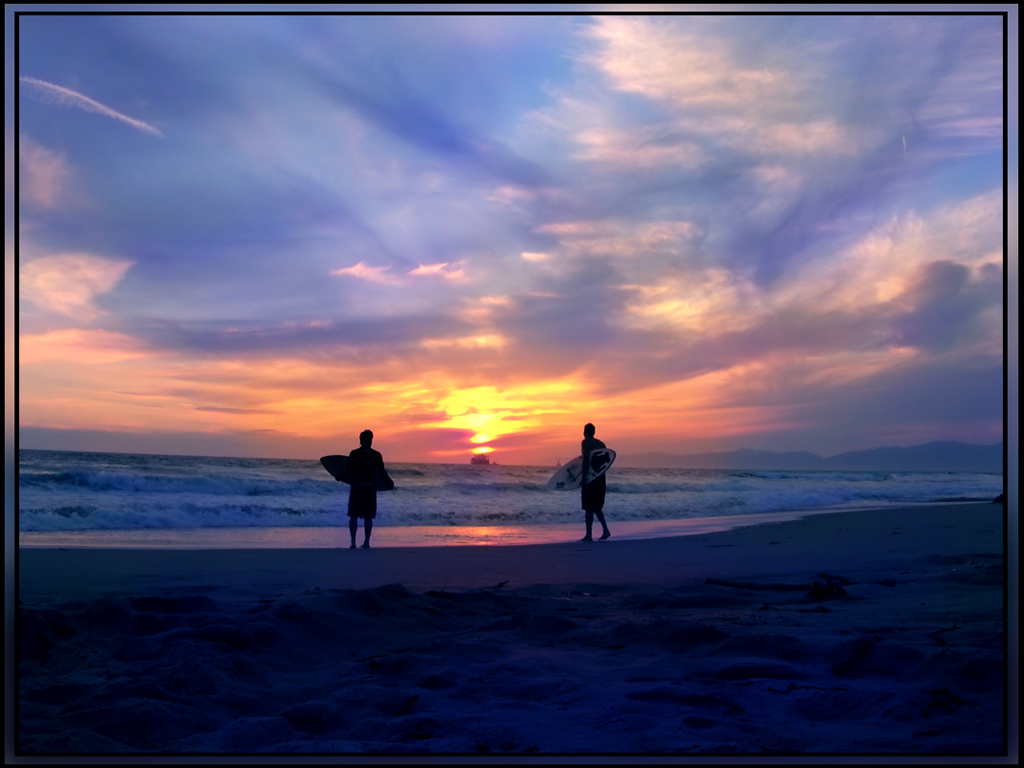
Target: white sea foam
69, 491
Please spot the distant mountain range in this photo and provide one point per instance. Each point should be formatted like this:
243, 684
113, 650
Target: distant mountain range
933, 457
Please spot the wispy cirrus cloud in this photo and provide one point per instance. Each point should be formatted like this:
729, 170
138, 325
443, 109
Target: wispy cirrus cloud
364, 272
48, 93
444, 269
69, 283
44, 177
382, 275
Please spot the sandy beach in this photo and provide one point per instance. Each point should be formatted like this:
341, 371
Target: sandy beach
859, 633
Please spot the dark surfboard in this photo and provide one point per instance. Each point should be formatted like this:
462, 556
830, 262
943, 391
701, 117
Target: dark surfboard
336, 465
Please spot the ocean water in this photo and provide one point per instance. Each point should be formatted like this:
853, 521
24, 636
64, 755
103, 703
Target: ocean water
115, 499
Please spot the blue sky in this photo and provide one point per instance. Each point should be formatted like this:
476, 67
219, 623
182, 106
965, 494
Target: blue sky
261, 234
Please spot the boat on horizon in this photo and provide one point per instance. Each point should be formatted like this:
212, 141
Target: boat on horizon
480, 460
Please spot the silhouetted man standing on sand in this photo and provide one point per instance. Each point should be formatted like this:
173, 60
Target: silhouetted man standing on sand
365, 466
592, 493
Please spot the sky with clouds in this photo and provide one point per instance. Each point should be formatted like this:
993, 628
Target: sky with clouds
259, 235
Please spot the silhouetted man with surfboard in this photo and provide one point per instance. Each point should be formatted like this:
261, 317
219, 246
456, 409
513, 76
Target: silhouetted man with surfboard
592, 492
364, 473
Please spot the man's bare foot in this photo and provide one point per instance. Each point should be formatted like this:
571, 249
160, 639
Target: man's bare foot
587, 538
605, 535
366, 545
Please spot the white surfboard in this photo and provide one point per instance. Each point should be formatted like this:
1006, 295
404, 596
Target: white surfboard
570, 475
